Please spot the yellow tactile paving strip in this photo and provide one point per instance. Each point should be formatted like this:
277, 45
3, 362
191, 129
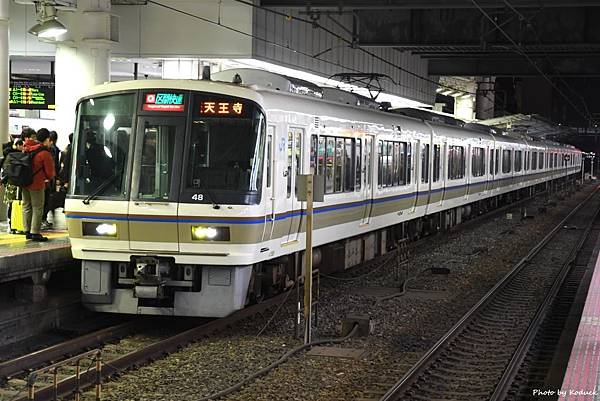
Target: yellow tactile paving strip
8, 239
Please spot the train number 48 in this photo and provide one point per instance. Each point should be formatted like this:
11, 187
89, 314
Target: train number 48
198, 197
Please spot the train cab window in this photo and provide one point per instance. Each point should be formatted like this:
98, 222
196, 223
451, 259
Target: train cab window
541, 160
102, 146
456, 162
425, 163
157, 161
478, 162
534, 160
226, 156
506, 161
518, 160
436, 162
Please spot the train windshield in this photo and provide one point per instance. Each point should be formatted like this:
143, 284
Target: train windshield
225, 155
102, 138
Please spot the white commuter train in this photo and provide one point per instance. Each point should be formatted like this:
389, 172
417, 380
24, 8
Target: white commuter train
183, 197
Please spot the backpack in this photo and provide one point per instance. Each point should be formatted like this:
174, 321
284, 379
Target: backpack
18, 168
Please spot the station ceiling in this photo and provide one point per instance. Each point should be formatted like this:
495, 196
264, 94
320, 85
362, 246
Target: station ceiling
476, 37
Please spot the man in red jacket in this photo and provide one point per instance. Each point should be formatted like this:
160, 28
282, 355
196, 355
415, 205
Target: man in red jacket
33, 195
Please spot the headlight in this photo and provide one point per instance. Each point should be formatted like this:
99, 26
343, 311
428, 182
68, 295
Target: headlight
204, 233
100, 229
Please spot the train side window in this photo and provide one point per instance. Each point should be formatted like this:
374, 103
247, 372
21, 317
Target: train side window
358, 164
409, 166
497, 161
425, 163
397, 166
436, 162
329, 164
555, 159
380, 174
339, 164
527, 160
518, 160
321, 156
491, 161
314, 146
506, 161
290, 158
456, 162
541, 160
270, 131
349, 170
534, 160
478, 162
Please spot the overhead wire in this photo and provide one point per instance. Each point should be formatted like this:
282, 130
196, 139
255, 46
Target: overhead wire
351, 44
529, 59
531, 27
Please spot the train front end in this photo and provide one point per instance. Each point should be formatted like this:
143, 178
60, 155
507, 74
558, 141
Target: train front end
164, 193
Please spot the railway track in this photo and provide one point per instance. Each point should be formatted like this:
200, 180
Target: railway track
82, 368
479, 358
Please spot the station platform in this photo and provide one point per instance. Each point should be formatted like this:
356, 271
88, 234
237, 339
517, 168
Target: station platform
20, 258
581, 381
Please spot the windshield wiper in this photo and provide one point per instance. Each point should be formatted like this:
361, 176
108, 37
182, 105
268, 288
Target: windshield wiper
100, 189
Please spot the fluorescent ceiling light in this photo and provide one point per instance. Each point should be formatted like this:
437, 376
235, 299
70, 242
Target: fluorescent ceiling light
51, 29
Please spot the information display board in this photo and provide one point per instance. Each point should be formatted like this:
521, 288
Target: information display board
38, 95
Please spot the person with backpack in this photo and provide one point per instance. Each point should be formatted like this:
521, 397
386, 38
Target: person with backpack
11, 192
41, 172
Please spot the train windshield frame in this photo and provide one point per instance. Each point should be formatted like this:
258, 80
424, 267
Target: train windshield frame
220, 159
225, 151
102, 143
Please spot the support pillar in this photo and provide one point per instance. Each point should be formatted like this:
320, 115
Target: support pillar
4, 70
485, 102
82, 58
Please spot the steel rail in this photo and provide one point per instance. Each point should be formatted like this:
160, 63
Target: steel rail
35, 359
412, 375
152, 352
512, 369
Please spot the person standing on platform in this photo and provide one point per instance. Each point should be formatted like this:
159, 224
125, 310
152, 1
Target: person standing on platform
11, 192
64, 174
33, 195
50, 191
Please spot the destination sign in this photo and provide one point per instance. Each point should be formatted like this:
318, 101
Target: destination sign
222, 108
38, 95
216, 105
173, 102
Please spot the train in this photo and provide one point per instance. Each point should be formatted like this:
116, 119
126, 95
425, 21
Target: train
184, 200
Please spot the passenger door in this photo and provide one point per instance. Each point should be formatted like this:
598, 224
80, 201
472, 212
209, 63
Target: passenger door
270, 168
293, 167
155, 185
367, 173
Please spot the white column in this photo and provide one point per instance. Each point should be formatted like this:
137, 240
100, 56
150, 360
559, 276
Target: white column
4, 76
78, 68
82, 59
